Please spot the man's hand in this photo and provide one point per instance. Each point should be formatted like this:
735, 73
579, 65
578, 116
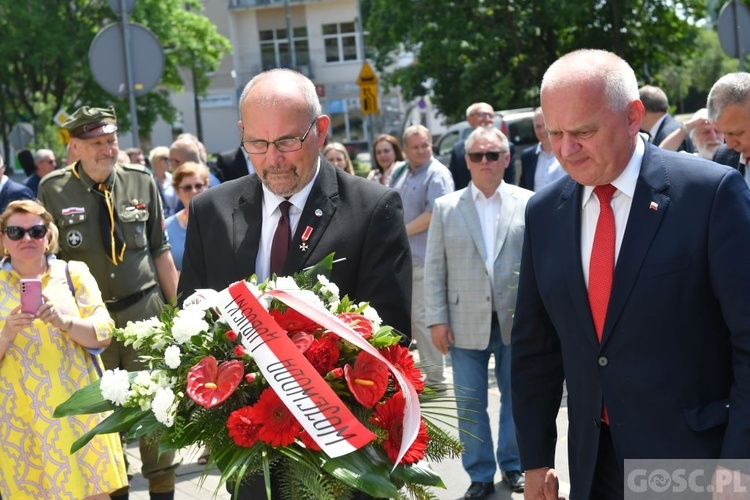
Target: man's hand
542, 484
442, 337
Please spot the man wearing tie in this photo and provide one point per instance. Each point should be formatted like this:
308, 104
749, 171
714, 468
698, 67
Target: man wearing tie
296, 209
633, 290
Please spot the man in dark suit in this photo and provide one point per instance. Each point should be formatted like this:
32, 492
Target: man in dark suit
729, 108
639, 303
539, 166
231, 227
479, 114
233, 164
656, 119
11, 190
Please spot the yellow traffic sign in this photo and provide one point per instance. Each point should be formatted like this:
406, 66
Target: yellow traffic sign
368, 99
60, 117
367, 76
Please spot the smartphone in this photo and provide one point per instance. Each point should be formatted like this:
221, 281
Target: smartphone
31, 295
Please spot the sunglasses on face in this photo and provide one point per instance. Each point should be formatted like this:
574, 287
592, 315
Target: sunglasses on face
16, 233
192, 187
490, 155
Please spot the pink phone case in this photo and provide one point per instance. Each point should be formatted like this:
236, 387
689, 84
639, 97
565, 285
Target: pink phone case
31, 295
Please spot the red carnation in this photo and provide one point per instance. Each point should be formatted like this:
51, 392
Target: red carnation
209, 384
276, 424
389, 416
323, 354
358, 323
401, 358
239, 351
230, 335
368, 380
242, 430
292, 321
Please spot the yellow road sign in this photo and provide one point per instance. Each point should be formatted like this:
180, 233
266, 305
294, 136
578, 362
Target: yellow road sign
367, 76
368, 99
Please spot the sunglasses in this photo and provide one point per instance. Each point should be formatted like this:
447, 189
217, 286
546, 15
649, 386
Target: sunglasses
16, 233
490, 155
193, 187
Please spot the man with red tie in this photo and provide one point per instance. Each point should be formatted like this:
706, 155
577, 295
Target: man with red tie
633, 290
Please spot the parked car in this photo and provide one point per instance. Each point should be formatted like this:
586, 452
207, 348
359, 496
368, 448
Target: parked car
517, 124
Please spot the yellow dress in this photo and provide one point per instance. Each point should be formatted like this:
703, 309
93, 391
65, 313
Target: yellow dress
40, 370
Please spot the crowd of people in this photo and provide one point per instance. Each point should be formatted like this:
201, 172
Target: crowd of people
623, 277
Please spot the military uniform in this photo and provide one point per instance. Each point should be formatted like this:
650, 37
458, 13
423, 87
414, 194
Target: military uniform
130, 288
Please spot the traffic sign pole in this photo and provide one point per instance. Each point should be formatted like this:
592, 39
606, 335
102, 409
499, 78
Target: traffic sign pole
129, 67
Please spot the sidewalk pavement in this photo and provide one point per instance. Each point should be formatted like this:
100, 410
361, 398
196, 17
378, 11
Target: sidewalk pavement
190, 485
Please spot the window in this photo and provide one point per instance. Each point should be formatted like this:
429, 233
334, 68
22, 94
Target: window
274, 48
340, 41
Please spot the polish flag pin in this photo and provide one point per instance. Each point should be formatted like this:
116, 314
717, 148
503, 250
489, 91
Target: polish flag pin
653, 206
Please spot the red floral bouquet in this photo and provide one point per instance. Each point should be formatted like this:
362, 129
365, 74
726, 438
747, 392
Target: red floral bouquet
285, 376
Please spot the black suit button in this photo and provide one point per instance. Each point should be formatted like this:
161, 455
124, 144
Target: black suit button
603, 361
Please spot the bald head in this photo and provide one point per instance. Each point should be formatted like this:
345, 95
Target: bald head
278, 86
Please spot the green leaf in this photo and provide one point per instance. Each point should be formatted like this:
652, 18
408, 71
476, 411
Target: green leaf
85, 401
418, 473
324, 267
365, 470
123, 419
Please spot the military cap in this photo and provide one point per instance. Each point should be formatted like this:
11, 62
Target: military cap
88, 122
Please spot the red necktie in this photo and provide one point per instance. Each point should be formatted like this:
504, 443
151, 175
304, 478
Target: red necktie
281, 240
602, 264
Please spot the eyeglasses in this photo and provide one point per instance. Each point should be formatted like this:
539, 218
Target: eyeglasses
49, 160
490, 155
483, 114
17, 233
193, 187
287, 145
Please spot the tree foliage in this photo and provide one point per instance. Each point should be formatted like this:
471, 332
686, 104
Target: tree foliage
497, 51
44, 52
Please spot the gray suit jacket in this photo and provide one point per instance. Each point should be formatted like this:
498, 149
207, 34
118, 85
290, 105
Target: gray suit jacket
457, 287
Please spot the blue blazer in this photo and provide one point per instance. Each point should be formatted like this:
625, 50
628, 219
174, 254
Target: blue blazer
528, 168
674, 364
12, 191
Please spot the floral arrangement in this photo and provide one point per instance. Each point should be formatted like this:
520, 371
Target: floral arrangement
285, 376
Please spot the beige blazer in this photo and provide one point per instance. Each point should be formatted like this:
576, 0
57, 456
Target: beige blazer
457, 287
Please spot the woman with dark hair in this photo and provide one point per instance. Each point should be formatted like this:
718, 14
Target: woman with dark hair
386, 153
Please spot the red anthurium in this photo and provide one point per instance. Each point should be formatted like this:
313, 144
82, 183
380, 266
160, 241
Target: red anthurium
358, 323
292, 321
368, 380
210, 384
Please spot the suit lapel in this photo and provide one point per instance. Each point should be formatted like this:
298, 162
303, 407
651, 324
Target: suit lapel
317, 214
507, 209
469, 213
246, 224
643, 222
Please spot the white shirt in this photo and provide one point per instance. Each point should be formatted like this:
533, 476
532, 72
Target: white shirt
545, 162
622, 200
271, 216
3, 181
488, 210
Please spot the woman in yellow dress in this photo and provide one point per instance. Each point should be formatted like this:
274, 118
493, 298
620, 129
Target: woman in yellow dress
44, 358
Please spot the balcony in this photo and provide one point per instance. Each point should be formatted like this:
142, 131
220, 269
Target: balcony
248, 4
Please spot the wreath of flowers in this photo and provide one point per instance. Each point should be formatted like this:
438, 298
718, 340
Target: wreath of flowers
204, 386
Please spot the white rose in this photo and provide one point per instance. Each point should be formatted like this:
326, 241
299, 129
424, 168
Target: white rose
172, 357
371, 314
115, 386
164, 407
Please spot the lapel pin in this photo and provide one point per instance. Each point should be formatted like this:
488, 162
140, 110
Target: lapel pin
318, 213
305, 236
653, 206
